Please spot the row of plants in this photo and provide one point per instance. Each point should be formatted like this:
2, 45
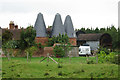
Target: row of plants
110, 58
27, 44
106, 55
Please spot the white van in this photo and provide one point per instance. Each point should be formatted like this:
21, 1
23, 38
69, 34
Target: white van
84, 50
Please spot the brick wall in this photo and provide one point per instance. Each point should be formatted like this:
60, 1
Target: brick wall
44, 52
48, 50
73, 41
41, 40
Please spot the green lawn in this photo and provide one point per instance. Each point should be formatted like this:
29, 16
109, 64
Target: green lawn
77, 68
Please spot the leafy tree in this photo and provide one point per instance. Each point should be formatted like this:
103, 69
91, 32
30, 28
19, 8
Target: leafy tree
29, 52
88, 30
96, 30
114, 34
8, 49
102, 30
6, 36
64, 46
27, 38
82, 29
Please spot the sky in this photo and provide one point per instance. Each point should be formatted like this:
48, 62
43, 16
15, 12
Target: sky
84, 13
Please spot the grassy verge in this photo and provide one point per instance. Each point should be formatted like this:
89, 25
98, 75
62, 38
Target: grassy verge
74, 68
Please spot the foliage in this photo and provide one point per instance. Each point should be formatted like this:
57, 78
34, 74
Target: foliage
107, 51
64, 45
39, 45
8, 49
114, 34
27, 38
12, 44
29, 51
6, 36
59, 39
59, 51
111, 57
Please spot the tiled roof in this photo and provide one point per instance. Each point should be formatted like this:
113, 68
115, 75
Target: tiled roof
89, 37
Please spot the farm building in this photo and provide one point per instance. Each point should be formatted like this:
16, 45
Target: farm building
43, 33
79, 32
95, 40
57, 28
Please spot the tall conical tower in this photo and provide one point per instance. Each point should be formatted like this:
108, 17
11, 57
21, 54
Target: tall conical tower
40, 26
57, 27
70, 30
69, 27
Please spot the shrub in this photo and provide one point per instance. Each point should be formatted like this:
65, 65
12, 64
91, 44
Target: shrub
40, 45
59, 51
101, 56
111, 57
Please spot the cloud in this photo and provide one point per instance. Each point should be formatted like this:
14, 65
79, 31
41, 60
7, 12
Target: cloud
101, 13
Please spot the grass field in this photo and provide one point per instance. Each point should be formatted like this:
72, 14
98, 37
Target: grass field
76, 68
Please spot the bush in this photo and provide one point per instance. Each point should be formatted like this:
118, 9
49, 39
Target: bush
40, 45
104, 57
115, 59
101, 57
59, 51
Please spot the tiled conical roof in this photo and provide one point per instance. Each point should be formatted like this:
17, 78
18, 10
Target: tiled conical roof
40, 26
69, 27
57, 27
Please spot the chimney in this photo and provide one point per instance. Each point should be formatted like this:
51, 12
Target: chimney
11, 25
16, 26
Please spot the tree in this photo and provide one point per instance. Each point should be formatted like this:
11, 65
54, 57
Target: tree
96, 30
82, 29
29, 52
27, 38
8, 49
6, 36
64, 46
102, 30
114, 34
88, 30
59, 51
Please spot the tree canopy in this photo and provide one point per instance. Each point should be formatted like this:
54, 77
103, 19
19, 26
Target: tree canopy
27, 38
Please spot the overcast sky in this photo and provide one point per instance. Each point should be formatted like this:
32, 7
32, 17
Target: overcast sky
84, 13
